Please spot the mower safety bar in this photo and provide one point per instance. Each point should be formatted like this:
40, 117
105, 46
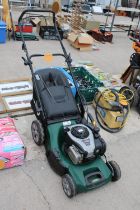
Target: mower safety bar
33, 11
40, 55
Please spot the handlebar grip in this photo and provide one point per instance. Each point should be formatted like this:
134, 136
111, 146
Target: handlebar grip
40, 55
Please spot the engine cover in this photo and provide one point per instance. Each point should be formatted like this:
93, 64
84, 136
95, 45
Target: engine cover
81, 137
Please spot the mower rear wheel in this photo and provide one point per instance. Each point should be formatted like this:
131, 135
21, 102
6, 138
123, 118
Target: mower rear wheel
68, 185
116, 171
37, 132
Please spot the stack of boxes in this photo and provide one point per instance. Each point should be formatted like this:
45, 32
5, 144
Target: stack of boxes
12, 150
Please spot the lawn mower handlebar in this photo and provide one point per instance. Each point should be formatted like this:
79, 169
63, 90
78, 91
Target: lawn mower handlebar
67, 57
35, 10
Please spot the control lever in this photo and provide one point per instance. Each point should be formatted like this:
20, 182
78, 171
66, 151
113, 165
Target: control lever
26, 62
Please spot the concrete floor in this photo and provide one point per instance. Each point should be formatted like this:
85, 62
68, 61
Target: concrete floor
34, 186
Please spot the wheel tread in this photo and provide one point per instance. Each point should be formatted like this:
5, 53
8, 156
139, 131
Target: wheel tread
116, 175
71, 183
41, 132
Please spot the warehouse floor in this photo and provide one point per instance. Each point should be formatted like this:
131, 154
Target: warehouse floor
34, 186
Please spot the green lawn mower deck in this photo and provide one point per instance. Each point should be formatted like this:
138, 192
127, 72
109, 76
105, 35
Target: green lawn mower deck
75, 178
85, 176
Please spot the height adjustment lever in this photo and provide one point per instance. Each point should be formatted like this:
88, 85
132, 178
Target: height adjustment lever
26, 63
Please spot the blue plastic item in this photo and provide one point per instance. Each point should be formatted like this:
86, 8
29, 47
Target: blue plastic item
70, 80
2, 32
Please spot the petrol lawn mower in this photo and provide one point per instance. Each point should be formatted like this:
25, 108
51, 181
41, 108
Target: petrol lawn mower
74, 147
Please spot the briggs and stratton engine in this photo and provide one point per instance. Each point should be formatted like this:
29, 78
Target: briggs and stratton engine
81, 144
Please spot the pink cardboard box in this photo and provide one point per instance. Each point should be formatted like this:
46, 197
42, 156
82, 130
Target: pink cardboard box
12, 149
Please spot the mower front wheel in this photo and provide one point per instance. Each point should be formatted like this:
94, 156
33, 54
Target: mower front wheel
68, 185
116, 171
37, 132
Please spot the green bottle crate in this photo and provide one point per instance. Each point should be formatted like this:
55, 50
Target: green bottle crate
92, 84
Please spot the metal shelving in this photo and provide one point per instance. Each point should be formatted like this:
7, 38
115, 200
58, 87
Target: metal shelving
127, 9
